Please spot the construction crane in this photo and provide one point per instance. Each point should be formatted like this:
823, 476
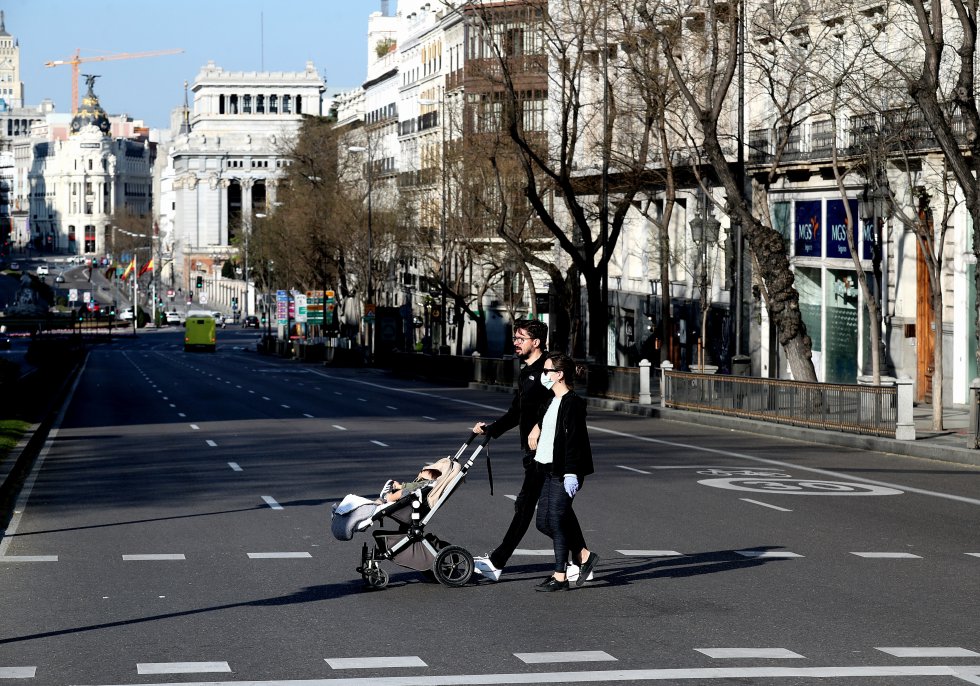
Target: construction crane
77, 59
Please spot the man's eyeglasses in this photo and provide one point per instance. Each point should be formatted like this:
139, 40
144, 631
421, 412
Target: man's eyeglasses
520, 338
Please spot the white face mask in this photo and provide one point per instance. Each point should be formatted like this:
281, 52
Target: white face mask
547, 381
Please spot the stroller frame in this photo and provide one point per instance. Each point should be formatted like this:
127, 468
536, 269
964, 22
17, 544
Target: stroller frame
409, 545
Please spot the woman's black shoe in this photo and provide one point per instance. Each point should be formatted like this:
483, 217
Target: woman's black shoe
547, 581
586, 568
553, 584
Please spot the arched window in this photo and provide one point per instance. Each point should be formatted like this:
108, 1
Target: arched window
246, 104
287, 105
260, 104
273, 104
233, 104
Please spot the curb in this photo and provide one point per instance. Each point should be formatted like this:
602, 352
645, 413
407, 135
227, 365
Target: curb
918, 448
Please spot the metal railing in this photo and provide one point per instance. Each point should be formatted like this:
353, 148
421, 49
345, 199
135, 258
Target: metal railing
869, 410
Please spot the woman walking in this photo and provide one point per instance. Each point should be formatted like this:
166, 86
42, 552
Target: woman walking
564, 456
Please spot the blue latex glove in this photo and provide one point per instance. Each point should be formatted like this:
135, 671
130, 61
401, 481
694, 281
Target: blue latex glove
571, 485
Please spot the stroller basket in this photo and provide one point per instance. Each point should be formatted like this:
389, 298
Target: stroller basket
408, 544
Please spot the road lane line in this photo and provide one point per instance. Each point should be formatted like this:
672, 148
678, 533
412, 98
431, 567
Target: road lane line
182, 667
17, 672
181, 414
339, 427
632, 469
308, 416
935, 651
271, 502
431, 419
774, 507
195, 427
974, 554
761, 554
391, 407
362, 400
374, 662
889, 556
566, 656
234, 467
760, 653
211, 443
157, 557
277, 556
541, 552
285, 407
264, 398
650, 553
383, 445
28, 558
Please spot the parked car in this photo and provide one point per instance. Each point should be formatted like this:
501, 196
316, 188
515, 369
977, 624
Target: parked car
250, 322
173, 317
219, 319
126, 315
42, 270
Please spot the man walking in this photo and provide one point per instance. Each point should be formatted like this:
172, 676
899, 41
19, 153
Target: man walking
530, 340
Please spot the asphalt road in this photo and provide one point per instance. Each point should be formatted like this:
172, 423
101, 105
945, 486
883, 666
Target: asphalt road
177, 530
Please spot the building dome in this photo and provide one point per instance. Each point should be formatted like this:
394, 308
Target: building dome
91, 112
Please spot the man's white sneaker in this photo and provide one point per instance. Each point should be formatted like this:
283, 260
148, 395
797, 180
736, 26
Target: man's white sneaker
572, 573
484, 566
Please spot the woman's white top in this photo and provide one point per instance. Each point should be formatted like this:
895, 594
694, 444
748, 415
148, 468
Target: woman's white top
545, 453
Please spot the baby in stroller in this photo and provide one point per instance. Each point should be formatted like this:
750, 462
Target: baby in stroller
395, 490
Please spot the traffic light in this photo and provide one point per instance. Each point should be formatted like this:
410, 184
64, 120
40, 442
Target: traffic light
200, 282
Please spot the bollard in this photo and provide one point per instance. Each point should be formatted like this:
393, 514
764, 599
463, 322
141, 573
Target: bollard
645, 397
665, 366
973, 438
905, 426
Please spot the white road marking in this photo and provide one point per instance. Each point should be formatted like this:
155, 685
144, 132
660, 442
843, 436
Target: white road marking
631, 469
308, 416
512, 497
339, 427
264, 397
164, 398
362, 400
374, 662
181, 414
568, 656
17, 672
252, 392
783, 465
431, 419
757, 554
277, 556
234, 466
935, 651
28, 558
383, 445
889, 556
965, 672
195, 427
271, 502
536, 553
774, 507
156, 557
286, 407
761, 653
181, 667
211, 443
391, 407
650, 553
172, 405
974, 554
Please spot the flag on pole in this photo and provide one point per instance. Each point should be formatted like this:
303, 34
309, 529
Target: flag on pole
148, 267
129, 268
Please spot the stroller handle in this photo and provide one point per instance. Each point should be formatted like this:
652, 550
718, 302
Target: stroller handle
485, 438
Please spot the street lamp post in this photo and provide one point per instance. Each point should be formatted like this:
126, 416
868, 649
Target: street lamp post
443, 321
704, 231
370, 267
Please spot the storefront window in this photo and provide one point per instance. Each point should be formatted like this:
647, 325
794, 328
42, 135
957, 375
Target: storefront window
808, 286
842, 326
837, 228
808, 239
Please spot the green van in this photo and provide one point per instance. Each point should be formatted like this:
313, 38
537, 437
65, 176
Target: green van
199, 333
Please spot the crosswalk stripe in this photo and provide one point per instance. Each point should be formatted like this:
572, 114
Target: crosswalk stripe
235, 467
383, 445
760, 653
181, 667
536, 553
650, 553
374, 662
567, 656
632, 469
28, 558
276, 556
271, 502
935, 651
154, 557
889, 556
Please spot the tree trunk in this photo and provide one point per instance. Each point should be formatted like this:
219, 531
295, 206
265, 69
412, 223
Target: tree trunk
937, 359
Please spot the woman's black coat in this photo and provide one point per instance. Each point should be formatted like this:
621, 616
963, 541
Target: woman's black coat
573, 452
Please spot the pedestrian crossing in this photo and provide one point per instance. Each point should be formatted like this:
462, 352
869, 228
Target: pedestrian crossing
701, 666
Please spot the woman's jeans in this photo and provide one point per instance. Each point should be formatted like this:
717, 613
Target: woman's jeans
556, 519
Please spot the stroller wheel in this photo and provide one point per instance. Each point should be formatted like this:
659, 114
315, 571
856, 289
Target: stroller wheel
453, 566
376, 580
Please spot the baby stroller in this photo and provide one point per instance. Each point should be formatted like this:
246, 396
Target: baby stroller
408, 544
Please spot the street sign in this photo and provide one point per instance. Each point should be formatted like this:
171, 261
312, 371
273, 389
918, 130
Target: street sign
203, 298
282, 307
72, 295
300, 308
86, 297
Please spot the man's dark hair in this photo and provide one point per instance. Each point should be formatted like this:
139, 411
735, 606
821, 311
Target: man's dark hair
535, 329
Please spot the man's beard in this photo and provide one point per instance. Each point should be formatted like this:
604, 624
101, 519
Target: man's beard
524, 356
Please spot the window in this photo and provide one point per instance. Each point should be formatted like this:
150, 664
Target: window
233, 104
246, 104
273, 104
260, 104
287, 104
299, 104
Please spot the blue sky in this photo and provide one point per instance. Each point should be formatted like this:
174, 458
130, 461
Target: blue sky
331, 33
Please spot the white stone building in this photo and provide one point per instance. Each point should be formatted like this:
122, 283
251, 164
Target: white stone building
228, 151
